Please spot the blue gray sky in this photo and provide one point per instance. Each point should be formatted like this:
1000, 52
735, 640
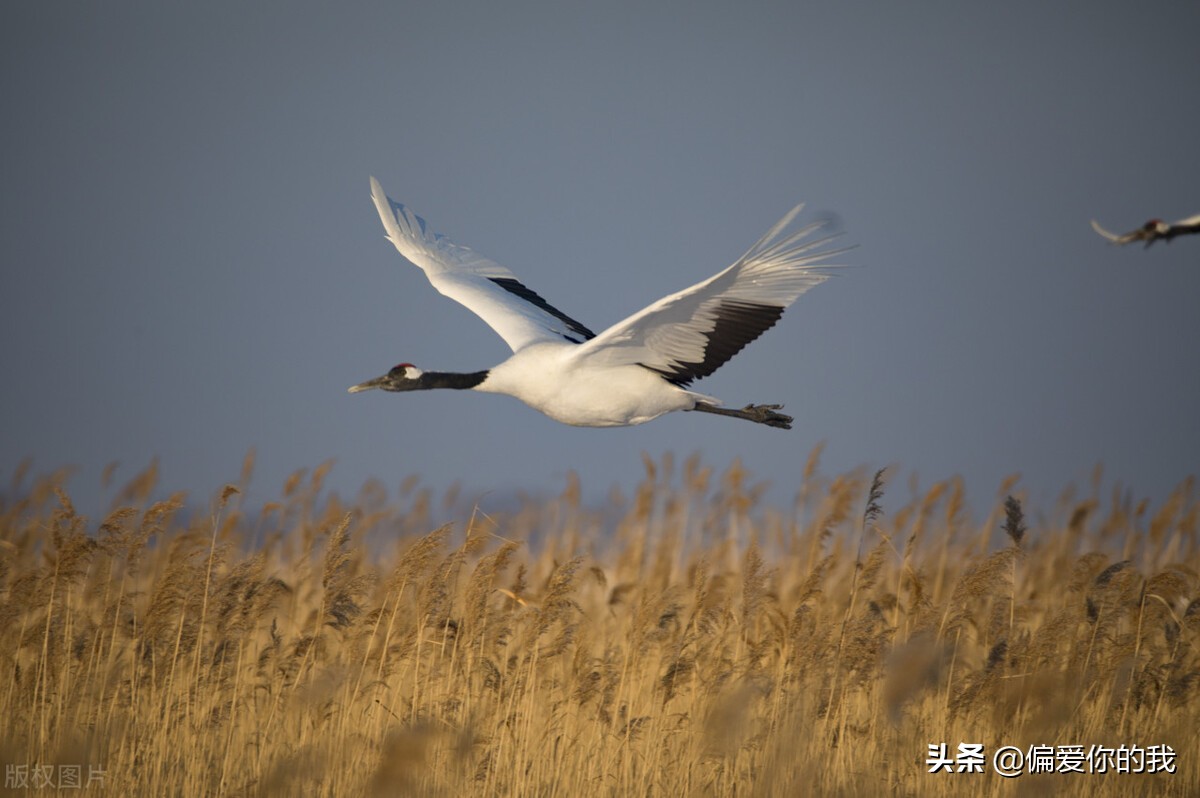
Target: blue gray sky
192, 265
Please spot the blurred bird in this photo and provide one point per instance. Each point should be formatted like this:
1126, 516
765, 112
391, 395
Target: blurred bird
1151, 231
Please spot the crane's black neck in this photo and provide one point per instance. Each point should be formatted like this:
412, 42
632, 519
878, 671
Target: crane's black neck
448, 379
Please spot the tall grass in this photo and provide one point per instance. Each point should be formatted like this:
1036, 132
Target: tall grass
708, 644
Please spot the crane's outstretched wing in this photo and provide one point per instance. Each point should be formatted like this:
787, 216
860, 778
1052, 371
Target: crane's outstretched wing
492, 292
690, 334
1151, 231
1117, 238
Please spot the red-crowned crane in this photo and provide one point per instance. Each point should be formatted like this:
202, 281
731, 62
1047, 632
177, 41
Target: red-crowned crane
636, 370
1153, 230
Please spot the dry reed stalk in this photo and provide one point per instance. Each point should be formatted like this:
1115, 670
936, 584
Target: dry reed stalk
280, 654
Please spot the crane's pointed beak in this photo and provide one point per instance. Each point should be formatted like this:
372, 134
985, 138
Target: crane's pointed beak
368, 385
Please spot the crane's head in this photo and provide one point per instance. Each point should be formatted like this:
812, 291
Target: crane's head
404, 377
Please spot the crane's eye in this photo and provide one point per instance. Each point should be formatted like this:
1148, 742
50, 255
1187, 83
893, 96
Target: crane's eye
405, 370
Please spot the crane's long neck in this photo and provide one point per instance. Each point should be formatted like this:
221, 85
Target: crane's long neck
449, 379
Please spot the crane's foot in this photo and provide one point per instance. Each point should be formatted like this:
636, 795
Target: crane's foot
760, 414
765, 414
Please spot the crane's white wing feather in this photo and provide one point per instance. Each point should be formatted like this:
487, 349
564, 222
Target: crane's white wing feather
492, 292
1116, 238
690, 334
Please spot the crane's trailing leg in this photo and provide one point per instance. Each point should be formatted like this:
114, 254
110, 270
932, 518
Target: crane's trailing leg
762, 414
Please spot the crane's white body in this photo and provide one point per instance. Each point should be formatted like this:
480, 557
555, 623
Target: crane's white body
550, 377
637, 369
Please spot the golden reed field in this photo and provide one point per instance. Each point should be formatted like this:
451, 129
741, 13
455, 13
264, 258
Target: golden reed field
686, 640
